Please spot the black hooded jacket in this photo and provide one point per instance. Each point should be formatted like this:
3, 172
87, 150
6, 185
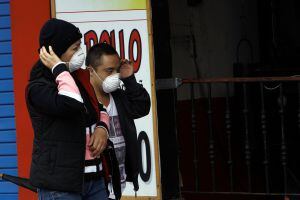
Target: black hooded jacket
59, 124
132, 103
59, 134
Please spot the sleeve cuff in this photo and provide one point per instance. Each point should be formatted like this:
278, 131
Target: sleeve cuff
57, 65
131, 84
59, 68
101, 123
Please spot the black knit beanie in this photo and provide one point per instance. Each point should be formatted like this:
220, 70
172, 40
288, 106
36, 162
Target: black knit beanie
59, 34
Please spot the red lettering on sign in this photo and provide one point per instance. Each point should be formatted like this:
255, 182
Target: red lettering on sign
90, 38
104, 37
121, 41
112, 39
134, 46
135, 38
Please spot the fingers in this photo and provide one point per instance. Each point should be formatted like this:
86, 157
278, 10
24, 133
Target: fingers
126, 68
43, 55
48, 55
51, 51
98, 142
44, 52
102, 146
126, 64
97, 151
98, 147
124, 61
49, 59
91, 140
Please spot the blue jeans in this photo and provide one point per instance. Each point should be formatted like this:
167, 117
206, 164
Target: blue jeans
93, 190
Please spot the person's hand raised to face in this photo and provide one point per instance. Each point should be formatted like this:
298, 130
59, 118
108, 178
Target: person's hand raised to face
126, 68
49, 59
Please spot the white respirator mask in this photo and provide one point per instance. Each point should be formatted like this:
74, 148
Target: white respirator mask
77, 60
110, 83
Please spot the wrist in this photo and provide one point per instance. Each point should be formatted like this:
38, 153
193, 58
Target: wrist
58, 69
58, 63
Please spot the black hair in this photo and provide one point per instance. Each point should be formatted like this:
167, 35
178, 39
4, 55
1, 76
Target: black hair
96, 52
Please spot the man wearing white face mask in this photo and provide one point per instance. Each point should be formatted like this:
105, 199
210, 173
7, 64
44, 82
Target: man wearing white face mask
70, 126
123, 106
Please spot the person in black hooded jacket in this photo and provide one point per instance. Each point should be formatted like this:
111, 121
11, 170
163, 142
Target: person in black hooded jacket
70, 129
123, 106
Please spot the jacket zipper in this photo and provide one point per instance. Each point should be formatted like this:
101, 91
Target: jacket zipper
83, 166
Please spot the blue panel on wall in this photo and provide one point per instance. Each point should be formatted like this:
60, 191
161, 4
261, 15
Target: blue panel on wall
8, 136
5, 34
13, 172
7, 187
4, 21
7, 123
5, 59
6, 85
6, 72
9, 196
7, 111
5, 47
6, 98
8, 149
8, 161
4, 9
